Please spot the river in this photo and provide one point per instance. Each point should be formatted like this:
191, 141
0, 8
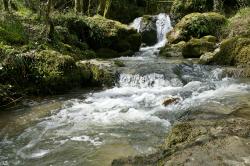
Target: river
93, 127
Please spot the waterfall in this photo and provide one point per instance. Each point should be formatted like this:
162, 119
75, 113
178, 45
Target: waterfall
136, 24
163, 26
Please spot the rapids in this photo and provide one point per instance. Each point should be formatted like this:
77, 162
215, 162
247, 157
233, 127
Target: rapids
94, 127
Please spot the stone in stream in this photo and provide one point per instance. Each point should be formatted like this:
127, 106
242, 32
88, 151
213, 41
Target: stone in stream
198, 140
170, 100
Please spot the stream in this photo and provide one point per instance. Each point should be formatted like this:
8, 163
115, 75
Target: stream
93, 127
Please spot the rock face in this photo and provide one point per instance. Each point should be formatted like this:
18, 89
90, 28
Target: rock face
196, 25
198, 140
148, 30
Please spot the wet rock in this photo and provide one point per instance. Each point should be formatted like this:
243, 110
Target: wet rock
148, 30
170, 100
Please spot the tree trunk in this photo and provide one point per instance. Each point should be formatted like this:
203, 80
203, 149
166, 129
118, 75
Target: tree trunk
49, 7
6, 5
78, 6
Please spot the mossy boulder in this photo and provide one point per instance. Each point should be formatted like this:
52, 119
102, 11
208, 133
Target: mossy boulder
97, 72
45, 72
196, 47
99, 32
172, 50
197, 25
234, 51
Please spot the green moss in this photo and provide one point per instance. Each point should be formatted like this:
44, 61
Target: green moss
100, 32
172, 50
197, 25
96, 73
196, 47
234, 51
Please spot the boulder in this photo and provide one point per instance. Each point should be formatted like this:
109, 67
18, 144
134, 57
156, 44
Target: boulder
234, 51
197, 25
99, 32
148, 30
172, 50
98, 72
196, 47
208, 57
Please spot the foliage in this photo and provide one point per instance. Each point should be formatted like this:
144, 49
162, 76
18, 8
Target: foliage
239, 24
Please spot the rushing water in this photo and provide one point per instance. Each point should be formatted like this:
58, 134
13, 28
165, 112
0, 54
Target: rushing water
93, 128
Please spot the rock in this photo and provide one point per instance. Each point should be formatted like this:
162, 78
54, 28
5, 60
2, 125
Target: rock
148, 30
207, 58
45, 72
170, 100
172, 50
234, 51
196, 47
99, 32
98, 72
201, 141
196, 25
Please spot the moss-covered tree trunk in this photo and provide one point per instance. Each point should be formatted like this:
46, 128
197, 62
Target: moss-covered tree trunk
6, 5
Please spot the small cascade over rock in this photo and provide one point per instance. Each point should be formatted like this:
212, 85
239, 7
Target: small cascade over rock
153, 28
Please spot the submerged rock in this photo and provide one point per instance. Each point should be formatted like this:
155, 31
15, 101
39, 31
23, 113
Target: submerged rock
196, 25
